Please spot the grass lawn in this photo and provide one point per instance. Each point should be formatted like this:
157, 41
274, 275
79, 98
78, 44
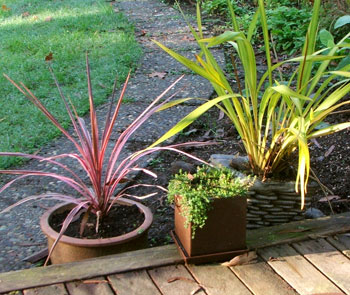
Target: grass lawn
29, 31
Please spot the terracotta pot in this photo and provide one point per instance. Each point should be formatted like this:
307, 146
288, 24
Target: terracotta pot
71, 249
224, 229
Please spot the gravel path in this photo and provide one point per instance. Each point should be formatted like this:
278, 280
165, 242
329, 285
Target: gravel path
19, 229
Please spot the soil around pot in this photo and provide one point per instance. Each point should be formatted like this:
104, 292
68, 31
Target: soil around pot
120, 220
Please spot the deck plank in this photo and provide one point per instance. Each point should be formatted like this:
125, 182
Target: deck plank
174, 280
328, 260
297, 271
262, 280
218, 280
164, 255
341, 242
57, 289
128, 261
95, 286
298, 231
136, 283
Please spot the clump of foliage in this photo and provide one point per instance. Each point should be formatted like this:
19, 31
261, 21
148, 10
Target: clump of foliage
220, 6
105, 170
275, 118
288, 27
194, 193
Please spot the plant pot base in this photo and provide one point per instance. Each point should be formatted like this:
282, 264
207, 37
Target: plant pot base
206, 258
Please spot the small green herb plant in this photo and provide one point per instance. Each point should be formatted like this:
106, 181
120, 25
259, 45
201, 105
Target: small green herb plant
195, 192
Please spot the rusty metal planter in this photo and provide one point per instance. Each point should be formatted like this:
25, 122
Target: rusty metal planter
223, 235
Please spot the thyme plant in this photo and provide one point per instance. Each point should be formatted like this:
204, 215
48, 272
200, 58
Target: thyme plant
194, 193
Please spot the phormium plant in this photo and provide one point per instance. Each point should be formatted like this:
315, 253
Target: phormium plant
195, 192
105, 171
276, 119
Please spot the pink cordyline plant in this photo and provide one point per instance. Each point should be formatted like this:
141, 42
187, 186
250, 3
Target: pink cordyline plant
98, 197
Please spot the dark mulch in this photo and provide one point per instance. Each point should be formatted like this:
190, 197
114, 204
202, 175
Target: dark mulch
121, 219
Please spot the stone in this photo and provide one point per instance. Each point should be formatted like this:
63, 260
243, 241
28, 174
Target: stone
255, 201
181, 165
267, 198
257, 212
312, 213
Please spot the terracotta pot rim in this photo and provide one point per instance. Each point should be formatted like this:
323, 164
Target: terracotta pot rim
50, 232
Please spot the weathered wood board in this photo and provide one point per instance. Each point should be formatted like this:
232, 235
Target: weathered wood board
298, 231
136, 283
95, 286
297, 271
261, 279
218, 280
328, 260
57, 289
174, 280
166, 255
41, 276
341, 242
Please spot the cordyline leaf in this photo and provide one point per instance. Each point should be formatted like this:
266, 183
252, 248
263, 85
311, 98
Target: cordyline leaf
65, 224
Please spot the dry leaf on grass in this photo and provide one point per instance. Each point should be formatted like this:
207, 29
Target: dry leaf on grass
5, 8
48, 19
49, 57
160, 75
246, 258
25, 14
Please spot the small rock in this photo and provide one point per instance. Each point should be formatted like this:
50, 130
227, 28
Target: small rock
312, 213
181, 165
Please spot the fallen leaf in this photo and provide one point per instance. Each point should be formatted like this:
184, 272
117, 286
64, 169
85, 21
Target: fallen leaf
48, 19
271, 259
142, 33
174, 279
316, 142
95, 281
190, 176
221, 115
5, 8
160, 75
25, 14
249, 257
330, 150
35, 17
328, 198
187, 38
190, 132
49, 57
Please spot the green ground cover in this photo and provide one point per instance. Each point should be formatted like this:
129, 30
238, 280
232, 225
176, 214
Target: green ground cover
29, 31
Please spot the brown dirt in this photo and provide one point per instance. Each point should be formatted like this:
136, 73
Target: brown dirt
120, 220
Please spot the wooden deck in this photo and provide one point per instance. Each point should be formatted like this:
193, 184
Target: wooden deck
308, 257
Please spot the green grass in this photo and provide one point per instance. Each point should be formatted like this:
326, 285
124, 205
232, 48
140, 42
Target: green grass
67, 28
